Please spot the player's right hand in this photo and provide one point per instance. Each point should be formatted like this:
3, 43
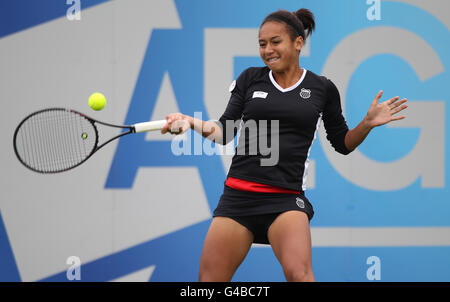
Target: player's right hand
177, 123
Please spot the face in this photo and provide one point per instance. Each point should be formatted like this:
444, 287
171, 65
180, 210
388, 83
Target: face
276, 47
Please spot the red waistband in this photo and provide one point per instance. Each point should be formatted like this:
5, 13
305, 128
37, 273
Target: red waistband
245, 185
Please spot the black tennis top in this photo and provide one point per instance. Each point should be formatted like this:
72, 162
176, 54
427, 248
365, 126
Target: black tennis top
277, 126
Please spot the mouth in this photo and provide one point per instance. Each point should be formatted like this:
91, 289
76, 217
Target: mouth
273, 60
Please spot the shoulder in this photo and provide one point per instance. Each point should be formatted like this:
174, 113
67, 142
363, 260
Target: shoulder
319, 79
327, 84
248, 76
254, 72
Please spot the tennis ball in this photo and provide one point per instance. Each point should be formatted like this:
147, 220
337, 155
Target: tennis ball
97, 101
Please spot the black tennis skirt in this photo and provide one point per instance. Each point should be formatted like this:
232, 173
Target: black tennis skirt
243, 203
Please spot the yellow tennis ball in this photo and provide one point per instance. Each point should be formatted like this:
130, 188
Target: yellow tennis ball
97, 101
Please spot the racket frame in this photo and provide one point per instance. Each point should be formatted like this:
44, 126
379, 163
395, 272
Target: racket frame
131, 129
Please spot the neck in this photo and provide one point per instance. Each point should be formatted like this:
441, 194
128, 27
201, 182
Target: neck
288, 77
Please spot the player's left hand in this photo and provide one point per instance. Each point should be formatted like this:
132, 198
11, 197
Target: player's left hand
383, 113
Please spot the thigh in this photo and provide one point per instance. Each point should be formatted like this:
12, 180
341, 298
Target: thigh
290, 238
226, 245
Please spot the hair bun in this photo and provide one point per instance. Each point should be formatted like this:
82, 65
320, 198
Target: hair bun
307, 18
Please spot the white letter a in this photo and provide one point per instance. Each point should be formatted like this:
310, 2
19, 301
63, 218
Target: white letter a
74, 12
374, 271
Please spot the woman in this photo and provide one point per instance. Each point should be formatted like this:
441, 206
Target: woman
266, 203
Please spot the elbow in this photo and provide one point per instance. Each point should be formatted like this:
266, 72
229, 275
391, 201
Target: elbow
345, 151
340, 144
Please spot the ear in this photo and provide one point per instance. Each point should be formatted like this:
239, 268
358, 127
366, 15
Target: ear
299, 43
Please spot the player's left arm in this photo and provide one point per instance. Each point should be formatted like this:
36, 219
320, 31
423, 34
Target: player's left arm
377, 115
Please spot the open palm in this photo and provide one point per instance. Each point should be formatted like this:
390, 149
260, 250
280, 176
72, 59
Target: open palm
383, 113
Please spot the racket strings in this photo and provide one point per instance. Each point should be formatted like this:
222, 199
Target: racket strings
55, 140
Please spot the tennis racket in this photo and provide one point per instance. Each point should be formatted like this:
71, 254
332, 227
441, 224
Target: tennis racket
57, 139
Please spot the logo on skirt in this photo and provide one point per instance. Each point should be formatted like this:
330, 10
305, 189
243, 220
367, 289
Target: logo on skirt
300, 203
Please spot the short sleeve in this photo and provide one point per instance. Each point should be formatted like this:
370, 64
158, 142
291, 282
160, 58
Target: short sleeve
333, 119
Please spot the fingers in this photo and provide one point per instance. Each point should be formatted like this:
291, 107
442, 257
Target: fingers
173, 117
179, 126
378, 97
164, 129
396, 105
398, 108
393, 100
396, 118
170, 128
176, 124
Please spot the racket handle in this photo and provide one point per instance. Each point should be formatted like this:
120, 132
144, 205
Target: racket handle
149, 126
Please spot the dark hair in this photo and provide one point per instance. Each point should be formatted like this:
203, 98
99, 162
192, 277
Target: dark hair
297, 22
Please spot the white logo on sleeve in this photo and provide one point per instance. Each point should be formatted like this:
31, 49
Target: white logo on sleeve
233, 84
305, 93
300, 202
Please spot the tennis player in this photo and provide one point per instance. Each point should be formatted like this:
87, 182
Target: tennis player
266, 204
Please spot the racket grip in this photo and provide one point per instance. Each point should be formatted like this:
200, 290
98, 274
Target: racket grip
149, 126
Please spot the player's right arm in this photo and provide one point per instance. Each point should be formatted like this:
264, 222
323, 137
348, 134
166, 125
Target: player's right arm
178, 123
223, 130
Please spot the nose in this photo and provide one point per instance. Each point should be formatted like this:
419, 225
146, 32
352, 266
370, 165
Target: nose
268, 49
